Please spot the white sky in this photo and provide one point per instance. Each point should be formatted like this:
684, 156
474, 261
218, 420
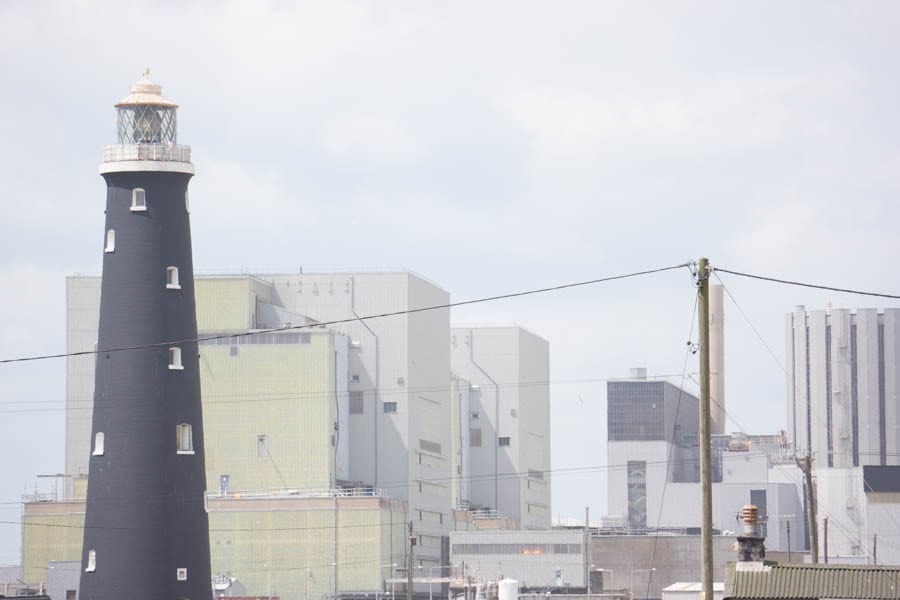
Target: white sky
492, 147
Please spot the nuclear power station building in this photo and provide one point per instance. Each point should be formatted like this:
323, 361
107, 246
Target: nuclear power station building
146, 531
323, 433
843, 410
653, 453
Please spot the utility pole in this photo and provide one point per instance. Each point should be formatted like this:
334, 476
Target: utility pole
806, 467
409, 563
875, 548
826, 539
587, 547
706, 548
788, 523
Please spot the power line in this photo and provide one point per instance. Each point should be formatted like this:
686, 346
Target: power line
807, 285
396, 313
266, 397
687, 355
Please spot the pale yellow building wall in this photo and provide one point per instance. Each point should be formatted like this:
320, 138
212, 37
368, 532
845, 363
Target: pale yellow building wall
224, 304
52, 531
274, 546
285, 392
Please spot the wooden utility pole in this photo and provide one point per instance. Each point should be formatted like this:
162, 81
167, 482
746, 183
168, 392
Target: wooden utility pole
706, 547
789, 539
587, 548
806, 467
409, 563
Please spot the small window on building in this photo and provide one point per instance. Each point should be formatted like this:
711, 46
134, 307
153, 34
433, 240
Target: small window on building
110, 241
172, 278
475, 437
175, 359
187, 202
390, 407
92, 562
503, 441
356, 403
185, 438
181, 574
261, 449
305, 338
233, 351
98, 444
138, 200
354, 378
71, 594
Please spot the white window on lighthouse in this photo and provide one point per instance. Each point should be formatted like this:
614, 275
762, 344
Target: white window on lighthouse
175, 359
184, 439
138, 200
98, 444
92, 562
187, 202
110, 241
172, 282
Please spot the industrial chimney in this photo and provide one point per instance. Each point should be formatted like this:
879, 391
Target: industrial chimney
146, 532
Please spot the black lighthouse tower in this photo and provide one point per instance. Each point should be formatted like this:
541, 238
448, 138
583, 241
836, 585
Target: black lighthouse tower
146, 534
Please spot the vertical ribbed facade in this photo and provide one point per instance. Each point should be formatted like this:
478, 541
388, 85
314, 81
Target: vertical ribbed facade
844, 385
146, 525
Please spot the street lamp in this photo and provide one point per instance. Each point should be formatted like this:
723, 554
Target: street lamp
390, 566
430, 569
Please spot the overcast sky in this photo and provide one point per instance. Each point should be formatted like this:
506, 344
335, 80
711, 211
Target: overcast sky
492, 147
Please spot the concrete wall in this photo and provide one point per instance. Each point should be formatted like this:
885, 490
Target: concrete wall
63, 578
530, 557
672, 558
509, 368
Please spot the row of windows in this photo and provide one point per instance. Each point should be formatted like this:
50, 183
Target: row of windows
517, 548
357, 404
139, 200
475, 438
180, 573
227, 339
184, 443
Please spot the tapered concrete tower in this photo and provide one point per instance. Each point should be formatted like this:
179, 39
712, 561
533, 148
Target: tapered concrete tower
146, 530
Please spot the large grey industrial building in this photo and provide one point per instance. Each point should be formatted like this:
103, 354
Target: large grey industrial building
843, 410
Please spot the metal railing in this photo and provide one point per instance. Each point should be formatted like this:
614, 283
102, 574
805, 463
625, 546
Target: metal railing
168, 152
355, 492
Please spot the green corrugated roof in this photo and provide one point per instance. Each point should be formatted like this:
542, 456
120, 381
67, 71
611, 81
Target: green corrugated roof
809, 581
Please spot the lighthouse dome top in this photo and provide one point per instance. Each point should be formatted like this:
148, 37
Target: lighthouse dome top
146, 92
147, 133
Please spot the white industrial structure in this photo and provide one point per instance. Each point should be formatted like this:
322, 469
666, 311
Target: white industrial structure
654, 479
843, 410
653, 454
508, 420
844, 385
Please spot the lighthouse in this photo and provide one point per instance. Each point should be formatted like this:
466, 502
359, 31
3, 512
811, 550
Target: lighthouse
146, 532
